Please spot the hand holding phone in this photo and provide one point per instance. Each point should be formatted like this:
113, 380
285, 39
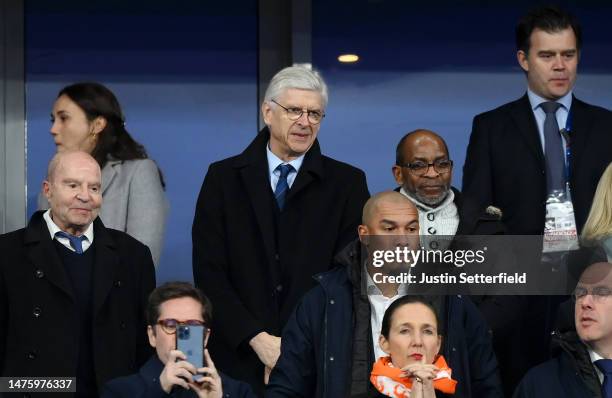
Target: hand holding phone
190, 341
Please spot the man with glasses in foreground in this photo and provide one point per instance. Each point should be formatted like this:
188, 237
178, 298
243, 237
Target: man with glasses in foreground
583, 364
168, 372
267, 220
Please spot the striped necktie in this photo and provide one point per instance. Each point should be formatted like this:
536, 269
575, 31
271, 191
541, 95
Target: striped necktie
75, 241
282, 187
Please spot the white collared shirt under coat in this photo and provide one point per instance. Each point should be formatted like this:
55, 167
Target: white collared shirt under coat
133, 201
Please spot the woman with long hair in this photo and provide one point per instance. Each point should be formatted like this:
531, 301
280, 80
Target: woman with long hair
87, 117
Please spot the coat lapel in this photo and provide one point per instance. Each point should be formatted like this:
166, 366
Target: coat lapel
311, 168
106, 265
528, 128
253, 169
43, 255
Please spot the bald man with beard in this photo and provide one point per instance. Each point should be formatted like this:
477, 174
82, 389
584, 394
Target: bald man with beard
328, 346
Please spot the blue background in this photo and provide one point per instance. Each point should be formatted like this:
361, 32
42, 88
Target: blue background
186, 76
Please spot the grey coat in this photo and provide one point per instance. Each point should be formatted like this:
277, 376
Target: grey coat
133, 201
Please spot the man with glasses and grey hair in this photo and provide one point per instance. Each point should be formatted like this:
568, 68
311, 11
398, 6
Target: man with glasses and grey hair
583, 364
269, 219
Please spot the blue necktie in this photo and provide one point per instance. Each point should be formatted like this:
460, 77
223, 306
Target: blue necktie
553, 148
280, 193
75, 241
605, 365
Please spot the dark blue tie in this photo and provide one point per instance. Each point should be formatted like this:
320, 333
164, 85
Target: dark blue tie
282, 187
553, 148
75, 241
605, 365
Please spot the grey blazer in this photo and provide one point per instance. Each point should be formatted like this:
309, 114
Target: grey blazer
133, 201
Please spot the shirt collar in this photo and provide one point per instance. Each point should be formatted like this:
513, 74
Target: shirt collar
53, 228
535, 100
274, 161
593, 355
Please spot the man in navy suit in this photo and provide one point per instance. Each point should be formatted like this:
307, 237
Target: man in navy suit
522, 152
505, 165
167, 373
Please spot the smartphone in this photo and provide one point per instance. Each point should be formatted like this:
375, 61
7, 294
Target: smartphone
190, 341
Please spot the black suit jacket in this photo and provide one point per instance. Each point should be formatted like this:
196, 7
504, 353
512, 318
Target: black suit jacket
504, 165
254, 274
38, 314
145, 384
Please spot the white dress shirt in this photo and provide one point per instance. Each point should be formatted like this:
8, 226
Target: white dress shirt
596, 357
53, 229
378, 306
274, 174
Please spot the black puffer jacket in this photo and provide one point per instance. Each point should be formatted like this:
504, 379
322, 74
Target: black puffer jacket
570, 374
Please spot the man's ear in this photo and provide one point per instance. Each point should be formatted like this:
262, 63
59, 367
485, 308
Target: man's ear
523, 61
364, 234
46, 188
397, 174
266, 112
152, 336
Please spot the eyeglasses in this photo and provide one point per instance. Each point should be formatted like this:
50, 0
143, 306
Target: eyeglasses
314, 117
419, 168
169, 325
599, 293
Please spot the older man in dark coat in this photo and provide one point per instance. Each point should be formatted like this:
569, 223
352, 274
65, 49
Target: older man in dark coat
72, 292
267, 220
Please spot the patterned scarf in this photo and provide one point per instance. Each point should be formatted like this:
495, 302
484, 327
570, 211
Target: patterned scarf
388, 380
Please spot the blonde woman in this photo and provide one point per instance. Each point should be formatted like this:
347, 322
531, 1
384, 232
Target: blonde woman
598, 227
